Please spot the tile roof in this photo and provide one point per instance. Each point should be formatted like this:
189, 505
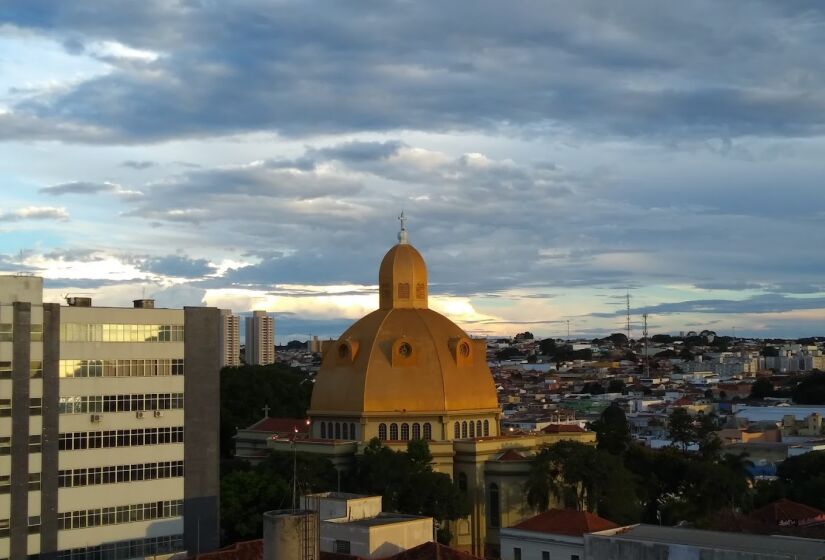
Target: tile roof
784, 511
565, 522
244, 550
511, 455
563, 428
433, 551
280, 425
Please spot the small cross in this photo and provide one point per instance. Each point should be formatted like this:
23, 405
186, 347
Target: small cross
402, 219
266, 411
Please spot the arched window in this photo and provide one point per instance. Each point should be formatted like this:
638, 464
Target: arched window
323, 430
494, 508
486, 428
457, 433
330, 434
337, 430
428, 431
416, 433
478, 428
345, 430
464, 429
462, 481
472, 429
382, 431
394, 431
405, 431
352, 430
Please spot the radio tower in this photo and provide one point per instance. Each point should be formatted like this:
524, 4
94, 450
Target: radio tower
627, 326
647, 359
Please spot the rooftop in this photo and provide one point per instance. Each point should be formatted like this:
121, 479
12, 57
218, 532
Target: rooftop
565, 522
793, 547
784, 510
281, 425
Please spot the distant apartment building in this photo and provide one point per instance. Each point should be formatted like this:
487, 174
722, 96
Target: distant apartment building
230, 339
260, 339
108, 427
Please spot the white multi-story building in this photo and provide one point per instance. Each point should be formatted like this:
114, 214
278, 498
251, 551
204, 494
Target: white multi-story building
260, 339
231, 338
108, 448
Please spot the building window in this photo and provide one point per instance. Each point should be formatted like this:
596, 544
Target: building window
494, 507
5, 407
428, 431
472, 429
323, 430
120, 368
478, 428
516, 553
337, 430
545, 555
352, 430
462, 481
5, 370
416, 431
457, 431
403, 290
464, 429
486, 428
37, 333
6, 334
342, 547
35, 369
574, 557
382, 431
330, 432
405, 431
394, 431
345, 430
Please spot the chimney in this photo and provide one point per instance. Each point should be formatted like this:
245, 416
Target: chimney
79, 301
144, 303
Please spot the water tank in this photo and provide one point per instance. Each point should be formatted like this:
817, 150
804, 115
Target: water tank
291, 535
144, 303
79, 301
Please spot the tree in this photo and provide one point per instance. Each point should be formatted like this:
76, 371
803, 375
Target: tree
680, 428
762, 388
593, 387
246, 390
770, 351
612, 430
662, 338
811, 390
618, 339
547, 347
296, 345
706, 436
526, 335
508, 353
616, 386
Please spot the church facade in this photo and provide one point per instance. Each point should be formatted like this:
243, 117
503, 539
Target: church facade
406, 372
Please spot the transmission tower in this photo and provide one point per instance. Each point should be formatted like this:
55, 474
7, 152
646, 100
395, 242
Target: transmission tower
627, 325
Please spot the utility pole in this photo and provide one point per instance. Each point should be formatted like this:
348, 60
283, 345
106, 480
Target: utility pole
647, 358
568, 330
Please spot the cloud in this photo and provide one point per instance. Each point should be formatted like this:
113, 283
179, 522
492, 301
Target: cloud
176, 265
36, 213
138, 164
86, 187
427, 66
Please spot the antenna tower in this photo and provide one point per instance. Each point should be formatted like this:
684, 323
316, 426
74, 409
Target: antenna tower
627, 325
647, 358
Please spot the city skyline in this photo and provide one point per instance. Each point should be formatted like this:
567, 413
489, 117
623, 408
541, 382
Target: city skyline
549, 160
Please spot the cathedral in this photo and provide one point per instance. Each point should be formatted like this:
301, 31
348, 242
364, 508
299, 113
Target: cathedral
407, 372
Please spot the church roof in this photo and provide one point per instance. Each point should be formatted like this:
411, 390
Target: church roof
566, 522
404, 358
562, 428
511, 455
280, 425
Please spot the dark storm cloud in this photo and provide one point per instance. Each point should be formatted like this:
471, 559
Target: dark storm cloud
642, 69
79, 187
176, 265
762, 303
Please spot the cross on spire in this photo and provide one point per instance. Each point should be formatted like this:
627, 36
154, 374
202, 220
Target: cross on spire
402, 234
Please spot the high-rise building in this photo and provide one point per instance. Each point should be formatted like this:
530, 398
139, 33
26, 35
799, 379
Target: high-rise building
260, 339
108, 427
230, 338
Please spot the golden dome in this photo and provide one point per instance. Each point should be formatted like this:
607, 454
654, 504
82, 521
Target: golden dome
404, 357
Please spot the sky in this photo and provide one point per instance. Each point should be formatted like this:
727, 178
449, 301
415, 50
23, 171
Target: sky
551, 157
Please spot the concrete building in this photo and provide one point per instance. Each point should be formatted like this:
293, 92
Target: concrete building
260, 339
99, 457
354, 524
672, 543
231, 339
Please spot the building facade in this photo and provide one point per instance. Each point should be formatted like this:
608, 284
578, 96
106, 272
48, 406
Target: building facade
231, 339
260, 339
105, 449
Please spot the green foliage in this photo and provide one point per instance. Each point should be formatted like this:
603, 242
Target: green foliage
582, 477
295, 345
612, 430
407, 481
680, 428
508, 353
246, 390
616, 386
594, 388
662, 338
770, 351
565, 353
547, 347
526, 335
247, 492
762, 388
811, 390
618, 339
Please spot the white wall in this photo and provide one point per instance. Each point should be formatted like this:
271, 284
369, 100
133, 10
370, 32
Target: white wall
560, 547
